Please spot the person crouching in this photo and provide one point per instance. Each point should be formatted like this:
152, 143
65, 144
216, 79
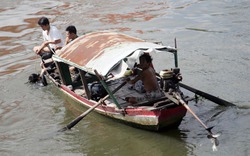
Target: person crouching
149, 80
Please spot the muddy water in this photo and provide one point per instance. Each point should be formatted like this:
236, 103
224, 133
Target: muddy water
213, 42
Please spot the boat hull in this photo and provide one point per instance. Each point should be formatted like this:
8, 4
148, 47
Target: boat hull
143, 117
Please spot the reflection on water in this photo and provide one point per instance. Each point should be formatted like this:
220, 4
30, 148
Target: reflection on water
95, 131
214, 56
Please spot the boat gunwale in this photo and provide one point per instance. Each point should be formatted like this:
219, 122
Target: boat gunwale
129, 112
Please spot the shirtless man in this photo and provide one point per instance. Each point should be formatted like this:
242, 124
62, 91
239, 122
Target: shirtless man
149, 80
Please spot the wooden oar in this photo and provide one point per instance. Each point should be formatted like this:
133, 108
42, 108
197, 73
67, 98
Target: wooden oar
79, 118
210, 97
211, 136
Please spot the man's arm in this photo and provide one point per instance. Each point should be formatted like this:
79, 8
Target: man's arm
46, 43
138, 77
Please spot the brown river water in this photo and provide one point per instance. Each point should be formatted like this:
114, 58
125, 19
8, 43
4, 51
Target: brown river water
213, 39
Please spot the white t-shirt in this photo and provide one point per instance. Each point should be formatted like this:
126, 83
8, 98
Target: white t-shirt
54, 34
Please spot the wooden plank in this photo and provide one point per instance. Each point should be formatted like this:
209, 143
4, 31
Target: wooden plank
85, 85
64, 73
107, 89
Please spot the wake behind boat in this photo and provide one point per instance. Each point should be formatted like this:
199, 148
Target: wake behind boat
93, 66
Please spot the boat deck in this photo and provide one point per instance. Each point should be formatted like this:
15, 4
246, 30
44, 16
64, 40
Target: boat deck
120, 95
126, 91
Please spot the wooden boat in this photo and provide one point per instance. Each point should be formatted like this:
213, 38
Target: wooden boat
111, 56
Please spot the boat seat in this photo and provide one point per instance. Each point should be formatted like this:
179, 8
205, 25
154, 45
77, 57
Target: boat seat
150, 103
162, 102
47, 62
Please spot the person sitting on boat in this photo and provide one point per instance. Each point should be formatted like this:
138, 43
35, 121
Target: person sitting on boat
52, 39
71, 34
149, 80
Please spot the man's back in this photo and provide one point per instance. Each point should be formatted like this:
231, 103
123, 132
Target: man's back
149, 80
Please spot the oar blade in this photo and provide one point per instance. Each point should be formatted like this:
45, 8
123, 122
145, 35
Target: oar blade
211, 136
210, 97
74, 122
209, 129
63, 129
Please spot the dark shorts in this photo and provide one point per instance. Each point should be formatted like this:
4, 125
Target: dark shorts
46, 55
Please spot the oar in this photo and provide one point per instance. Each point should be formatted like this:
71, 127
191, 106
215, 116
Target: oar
211, 136
207, 96
79, 118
